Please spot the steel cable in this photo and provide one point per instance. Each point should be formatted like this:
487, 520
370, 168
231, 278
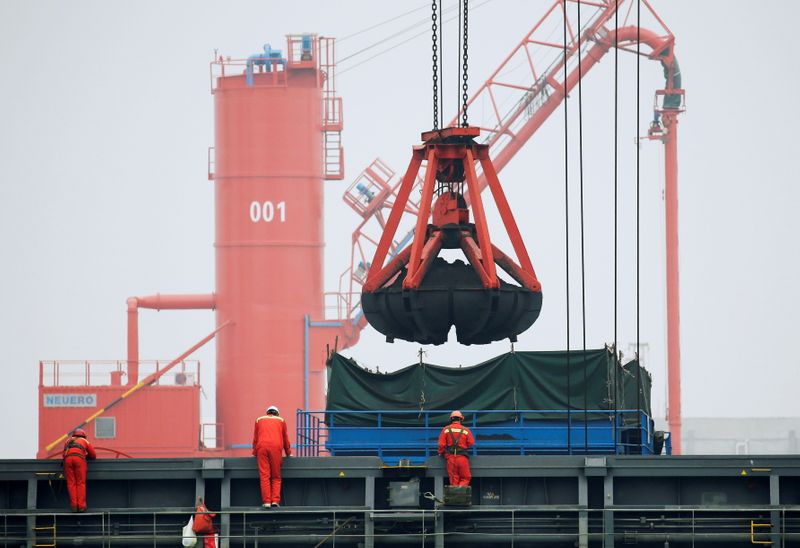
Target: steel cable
465, 67
365, 49
458, 59
395, 46
566, 226
638, 71
616, 201
441, 67
384, 22
435, 66
583, 253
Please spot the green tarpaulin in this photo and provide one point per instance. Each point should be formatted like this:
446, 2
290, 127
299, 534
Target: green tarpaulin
514, 381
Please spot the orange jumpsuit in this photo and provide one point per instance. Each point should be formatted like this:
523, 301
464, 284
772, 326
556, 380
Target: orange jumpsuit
270, 440
454, 441
76, 451
203, 525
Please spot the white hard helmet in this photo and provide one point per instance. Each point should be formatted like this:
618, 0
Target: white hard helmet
272, 410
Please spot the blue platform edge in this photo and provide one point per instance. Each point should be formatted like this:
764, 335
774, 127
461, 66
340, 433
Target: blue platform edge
595, 432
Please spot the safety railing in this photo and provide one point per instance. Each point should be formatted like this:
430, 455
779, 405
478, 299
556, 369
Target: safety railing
54, 373
212, 162
339, 305
311, 435
413, 434
332, 114
302, 50
212, 436
253, 70
669, 100
488, 525
369, 191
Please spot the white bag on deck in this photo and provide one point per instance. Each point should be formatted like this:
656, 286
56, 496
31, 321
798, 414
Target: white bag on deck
189, 536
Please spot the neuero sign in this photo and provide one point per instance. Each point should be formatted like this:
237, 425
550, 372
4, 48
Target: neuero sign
70, 400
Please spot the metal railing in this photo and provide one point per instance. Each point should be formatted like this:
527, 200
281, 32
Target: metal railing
413, 434
54, 373
485, 525
339, 305
212, 436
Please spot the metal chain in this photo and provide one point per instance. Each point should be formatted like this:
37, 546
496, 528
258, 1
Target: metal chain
464, 67
434, 47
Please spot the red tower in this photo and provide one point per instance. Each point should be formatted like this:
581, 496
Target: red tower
269, 171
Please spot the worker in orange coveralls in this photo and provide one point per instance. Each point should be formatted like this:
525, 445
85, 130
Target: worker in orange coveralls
77, 450
203, 524
454, 441
270, 440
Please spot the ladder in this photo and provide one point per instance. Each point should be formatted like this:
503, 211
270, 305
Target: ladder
332, 122
48, 531
333, 155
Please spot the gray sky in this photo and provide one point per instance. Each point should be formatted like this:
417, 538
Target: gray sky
106, 115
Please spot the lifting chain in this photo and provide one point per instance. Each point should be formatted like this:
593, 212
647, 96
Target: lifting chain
464, 67
434, 47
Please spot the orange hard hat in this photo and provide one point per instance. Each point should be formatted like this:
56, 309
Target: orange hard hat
79, 433
456, 415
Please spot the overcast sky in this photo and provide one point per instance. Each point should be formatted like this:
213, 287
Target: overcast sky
106, 116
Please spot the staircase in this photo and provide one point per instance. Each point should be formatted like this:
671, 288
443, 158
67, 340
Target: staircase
332, 124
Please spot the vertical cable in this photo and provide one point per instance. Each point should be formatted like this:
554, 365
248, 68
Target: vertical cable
566, 225
459, 69
441, 67
583, 253
616, 216
465, 66
638, 357
435, 64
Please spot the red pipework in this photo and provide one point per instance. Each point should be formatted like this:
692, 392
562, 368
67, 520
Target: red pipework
157, 302
176, 302
670, 139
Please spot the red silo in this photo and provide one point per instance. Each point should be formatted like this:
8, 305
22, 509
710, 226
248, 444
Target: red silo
269, 171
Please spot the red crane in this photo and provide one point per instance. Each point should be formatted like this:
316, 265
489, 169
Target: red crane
520, 104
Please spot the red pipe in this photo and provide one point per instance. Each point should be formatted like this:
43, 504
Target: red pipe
670, 121
176, 302
157, 302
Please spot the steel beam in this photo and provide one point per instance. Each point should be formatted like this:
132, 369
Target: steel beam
608, 512
775, 515
583, 515
225, 504
369, 502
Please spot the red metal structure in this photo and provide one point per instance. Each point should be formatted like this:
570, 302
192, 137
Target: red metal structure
269, 232
520, 95
482, 308
278, 125
69, 391
667, 108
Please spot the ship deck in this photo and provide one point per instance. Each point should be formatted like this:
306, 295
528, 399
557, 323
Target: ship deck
555, 501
